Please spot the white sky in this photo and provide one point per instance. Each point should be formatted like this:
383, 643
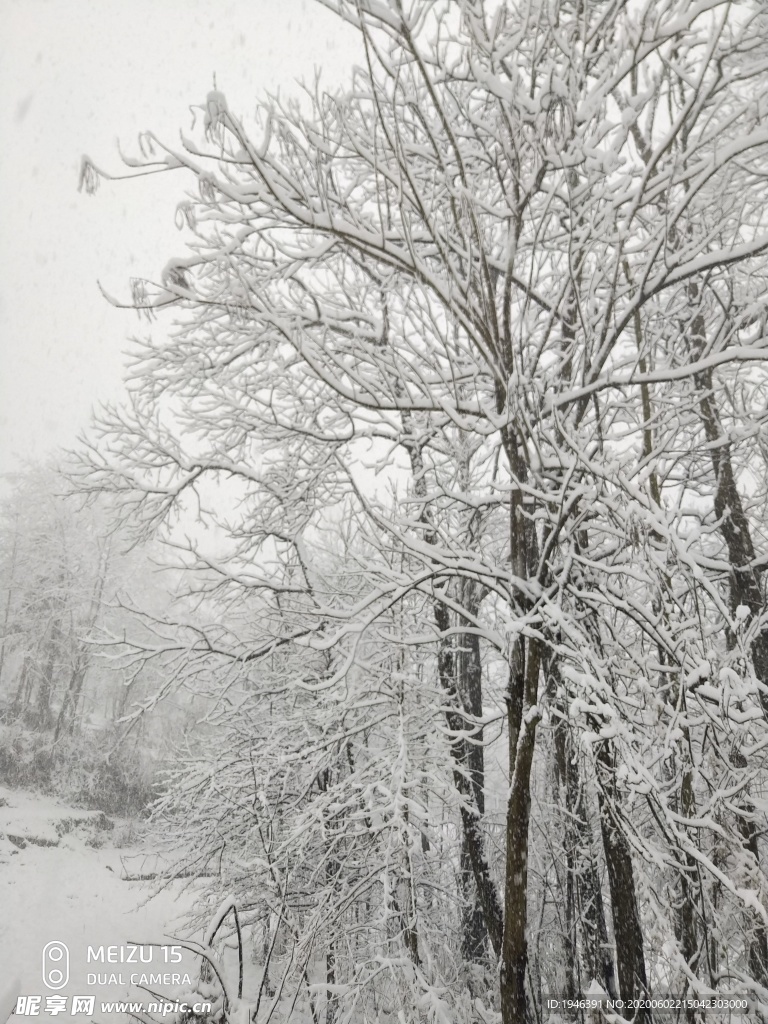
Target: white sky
76, 76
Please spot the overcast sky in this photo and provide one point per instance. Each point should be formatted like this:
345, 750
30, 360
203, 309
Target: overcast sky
76, 76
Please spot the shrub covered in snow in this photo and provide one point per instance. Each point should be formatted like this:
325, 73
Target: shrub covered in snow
89, 770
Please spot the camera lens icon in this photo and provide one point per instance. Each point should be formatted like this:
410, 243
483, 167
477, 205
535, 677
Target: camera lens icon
55, 965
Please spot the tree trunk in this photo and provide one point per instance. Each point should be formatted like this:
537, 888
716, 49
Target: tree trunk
757, 942
473, 839
24, 690
627, 928
583, 889
563, 778
744, 589
45, 690
472, 835
330, 980
597, 950
68, 712
522, 717
474, 934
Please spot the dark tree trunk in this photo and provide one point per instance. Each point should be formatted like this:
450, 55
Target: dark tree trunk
563, 777
745, 586
690, 902
597, 950
473, 841
330, 980
523, 716
474, 934
585, 909
522, 719
472, 835
757, 942
627, 929
745, 576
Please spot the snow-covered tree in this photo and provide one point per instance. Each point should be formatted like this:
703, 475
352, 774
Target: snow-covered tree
463, 407
53, 575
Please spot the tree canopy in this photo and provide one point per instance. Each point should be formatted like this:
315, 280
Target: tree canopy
458, 425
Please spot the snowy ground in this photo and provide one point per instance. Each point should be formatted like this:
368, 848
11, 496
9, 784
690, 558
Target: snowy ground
61, 878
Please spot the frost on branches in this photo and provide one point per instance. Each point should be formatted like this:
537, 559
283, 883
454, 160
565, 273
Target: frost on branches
457, 421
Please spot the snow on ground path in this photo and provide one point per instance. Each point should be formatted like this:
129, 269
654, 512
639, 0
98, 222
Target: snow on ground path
73, 893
